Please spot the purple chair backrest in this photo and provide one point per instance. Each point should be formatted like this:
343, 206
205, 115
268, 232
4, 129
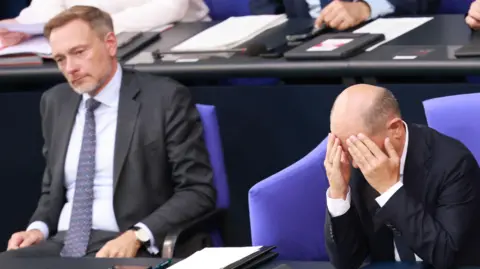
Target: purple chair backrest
287, 210
223, 9
457, 116
214, 147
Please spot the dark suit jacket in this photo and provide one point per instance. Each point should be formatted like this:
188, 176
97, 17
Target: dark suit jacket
299, 8
437, 211
162, 173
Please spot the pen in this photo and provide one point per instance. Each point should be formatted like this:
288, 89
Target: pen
163, 265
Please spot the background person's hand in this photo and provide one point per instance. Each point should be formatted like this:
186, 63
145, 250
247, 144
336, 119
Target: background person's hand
8, 39
25, 239
473, 17
337, 168
342, 15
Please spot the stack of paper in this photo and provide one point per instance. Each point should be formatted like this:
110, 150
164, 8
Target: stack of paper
30, 29
391, 28
214, 258
231, 33
36, 45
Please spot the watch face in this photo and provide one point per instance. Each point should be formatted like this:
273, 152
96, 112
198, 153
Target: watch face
142, 235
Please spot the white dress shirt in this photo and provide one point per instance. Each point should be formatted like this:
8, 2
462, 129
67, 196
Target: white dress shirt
377, 8
338, 207
103, 215
127, 15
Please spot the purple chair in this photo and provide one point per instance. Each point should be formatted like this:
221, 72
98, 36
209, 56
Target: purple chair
456, 116
224, 9
454, 6
287, 210
212, 221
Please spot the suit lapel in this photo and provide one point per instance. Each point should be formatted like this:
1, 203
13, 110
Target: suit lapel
63, 131
127, 118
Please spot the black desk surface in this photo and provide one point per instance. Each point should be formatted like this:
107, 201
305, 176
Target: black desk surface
444, 34
93, 263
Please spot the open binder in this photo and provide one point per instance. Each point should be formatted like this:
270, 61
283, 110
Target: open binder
227, 258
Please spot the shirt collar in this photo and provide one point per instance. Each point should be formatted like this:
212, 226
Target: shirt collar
404, 152
109, 95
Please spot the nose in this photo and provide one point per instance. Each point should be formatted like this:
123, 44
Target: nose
71, 66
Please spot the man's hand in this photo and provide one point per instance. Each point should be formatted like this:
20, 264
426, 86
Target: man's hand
381, 171
473, 17
25, 239
342, 15
337, 168
124, 246
8, 38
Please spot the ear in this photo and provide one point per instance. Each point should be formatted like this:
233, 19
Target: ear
395, 128
111, 44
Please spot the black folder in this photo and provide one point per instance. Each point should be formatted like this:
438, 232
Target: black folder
472, 49
334, 46
137, 44
255, 259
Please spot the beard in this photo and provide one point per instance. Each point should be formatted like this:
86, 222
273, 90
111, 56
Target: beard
92, 87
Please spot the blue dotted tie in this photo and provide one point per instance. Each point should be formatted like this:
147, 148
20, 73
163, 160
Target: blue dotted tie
78, 234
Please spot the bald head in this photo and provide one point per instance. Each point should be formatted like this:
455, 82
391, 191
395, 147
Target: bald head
366, 106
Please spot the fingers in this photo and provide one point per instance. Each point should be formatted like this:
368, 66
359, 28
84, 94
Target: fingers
372, 147
331, 140
337, 157
15, 241
357, 156
103, 253
474, 11
392, 153
362, 149
29, 240
473, 23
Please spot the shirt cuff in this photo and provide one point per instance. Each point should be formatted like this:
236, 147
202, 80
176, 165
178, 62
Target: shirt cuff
41, 226
152, 248
379, 8
338, 207
383, 199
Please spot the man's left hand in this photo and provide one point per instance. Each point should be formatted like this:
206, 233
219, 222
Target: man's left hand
343, 15
124, 246
381, 171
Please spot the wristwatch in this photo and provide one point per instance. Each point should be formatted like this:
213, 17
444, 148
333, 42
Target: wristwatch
141, 235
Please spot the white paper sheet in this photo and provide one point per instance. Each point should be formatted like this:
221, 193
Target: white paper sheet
231, 33
31, 29
37, 45
392, 27
214, 258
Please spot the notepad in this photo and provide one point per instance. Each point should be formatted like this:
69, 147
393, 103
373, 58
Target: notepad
391, 28
215, 258
231, 33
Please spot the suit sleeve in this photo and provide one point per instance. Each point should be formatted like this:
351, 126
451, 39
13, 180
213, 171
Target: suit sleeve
415, 7
261, 7
42, 213
346, 243
192, 175
436, 235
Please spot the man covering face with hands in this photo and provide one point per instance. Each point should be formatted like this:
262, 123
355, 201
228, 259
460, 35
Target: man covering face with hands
398, 192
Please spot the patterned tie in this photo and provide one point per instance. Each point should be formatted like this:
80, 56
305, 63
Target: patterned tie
78, 234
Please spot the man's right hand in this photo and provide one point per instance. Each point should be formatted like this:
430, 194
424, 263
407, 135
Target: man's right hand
473, 17
337, 168
25, 239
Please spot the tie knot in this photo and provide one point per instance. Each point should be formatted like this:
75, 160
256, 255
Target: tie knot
92, 104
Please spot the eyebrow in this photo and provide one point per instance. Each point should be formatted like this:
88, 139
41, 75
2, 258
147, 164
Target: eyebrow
55, 56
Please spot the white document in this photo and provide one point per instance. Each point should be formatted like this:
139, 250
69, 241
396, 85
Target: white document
392, 27
37, 45
31, 29
231, 33
214, 258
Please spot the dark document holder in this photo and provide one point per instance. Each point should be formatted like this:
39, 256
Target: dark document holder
472, 49
358, 44
136, 45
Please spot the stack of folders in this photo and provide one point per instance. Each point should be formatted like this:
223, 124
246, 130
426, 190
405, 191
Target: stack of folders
231, 33
227, 258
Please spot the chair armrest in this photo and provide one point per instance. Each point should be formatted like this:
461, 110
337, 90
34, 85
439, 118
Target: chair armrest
204, 223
